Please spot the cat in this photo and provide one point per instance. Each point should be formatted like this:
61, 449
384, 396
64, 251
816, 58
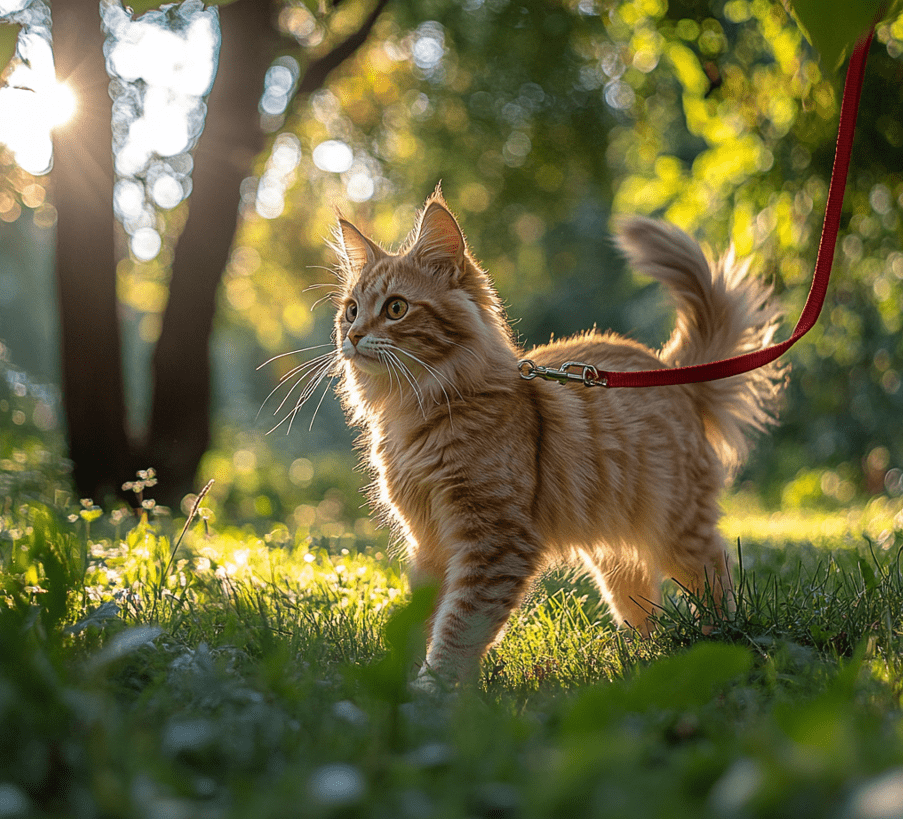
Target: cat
492, 479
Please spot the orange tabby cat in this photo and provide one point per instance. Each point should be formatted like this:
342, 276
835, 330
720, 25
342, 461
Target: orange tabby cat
492, 479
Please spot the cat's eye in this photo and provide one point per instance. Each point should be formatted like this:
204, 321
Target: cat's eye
351, 312
396, 308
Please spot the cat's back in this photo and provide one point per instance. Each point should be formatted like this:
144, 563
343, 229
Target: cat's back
607, 351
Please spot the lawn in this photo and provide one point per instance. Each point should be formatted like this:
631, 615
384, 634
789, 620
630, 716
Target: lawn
221, 672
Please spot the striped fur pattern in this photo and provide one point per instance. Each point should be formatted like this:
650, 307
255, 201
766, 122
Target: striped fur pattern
492, 479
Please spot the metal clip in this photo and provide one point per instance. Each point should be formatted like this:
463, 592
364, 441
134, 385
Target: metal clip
589, 375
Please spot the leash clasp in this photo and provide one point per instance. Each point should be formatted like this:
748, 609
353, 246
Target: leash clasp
588, 375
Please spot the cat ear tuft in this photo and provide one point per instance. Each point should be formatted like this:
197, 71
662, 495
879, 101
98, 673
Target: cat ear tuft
438, 237
356, 248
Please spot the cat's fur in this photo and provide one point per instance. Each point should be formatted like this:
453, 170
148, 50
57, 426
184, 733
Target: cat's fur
492, 479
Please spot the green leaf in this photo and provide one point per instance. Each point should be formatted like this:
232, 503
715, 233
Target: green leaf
9, 36
835, 26
139, 7
387, 679
681, 682
869, 578
687, 680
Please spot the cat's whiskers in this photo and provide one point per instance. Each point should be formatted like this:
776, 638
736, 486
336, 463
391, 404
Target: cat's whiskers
434, 373
289, 375
318, 375
380, 348
333, 297
303, 366
292, 352
305, 396
319, 403
305, 370
390, 366
395, 361
334, 287
313, 372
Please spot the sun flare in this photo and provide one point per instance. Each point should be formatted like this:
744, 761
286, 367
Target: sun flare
61, 103
32, 110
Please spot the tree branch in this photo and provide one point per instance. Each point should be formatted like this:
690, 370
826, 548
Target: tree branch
317, 72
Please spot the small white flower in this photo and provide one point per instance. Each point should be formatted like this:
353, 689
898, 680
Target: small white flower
879, 798
336, 784
350, 713
12, 801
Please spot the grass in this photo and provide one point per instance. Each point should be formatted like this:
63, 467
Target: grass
248, 675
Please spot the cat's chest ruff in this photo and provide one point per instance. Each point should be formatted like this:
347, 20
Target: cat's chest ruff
409, 476
409, 456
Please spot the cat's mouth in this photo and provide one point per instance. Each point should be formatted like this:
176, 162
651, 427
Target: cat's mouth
370, 366
367, 361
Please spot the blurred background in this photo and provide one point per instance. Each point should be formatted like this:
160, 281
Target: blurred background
140, 289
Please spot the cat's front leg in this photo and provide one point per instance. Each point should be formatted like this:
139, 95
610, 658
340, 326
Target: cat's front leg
485, 580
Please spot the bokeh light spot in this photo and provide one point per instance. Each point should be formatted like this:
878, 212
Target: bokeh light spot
333, 156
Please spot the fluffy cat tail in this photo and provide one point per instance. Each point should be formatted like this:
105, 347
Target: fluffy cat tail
721, 312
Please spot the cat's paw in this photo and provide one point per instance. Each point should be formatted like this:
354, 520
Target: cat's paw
429, 682
424, 685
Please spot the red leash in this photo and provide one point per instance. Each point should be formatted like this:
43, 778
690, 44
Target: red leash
715, 370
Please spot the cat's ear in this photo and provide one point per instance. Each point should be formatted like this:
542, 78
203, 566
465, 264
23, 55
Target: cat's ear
438, 239
356, 248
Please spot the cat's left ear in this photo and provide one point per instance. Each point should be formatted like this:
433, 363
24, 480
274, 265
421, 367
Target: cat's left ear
439, 240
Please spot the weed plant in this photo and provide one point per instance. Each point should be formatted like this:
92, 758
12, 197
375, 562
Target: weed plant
154, 668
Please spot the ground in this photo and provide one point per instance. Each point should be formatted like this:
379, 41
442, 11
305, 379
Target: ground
247, 675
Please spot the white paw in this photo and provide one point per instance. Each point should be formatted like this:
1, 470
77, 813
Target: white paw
430, 682
424, 684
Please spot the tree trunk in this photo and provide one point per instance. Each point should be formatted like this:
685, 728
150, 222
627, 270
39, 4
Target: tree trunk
93, 394
179, 428
179, 431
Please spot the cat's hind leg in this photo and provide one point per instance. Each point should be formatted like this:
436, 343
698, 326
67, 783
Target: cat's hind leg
699, 562
630, 587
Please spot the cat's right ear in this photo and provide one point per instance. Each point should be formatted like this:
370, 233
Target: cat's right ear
356, 249
438, 238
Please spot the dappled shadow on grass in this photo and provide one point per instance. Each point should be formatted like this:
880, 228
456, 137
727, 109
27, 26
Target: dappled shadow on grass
233, 587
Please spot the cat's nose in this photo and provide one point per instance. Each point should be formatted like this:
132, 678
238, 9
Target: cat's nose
355, 336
